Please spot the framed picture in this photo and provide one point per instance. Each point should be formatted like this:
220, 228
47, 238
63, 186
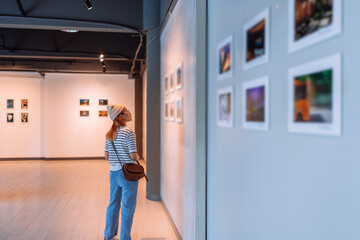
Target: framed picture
84, 102
103, 113
225, 107
179, 76
10, 104
179, 110
314, 91
256, 104
10, 117
24, 103
172, 110
225, 58
312, 21
171, 82
166, 85
166, 111
103, 102
24, 117
84, 113
256, 44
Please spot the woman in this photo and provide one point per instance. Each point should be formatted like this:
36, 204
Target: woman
121, 190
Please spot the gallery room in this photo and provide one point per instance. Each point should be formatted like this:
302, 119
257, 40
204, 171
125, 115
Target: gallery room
179, 119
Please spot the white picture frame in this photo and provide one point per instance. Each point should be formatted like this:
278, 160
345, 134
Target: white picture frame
179, 76
166, 85
256, 32
224, 65
323, 31
179, 109
318, 110
166, 110
256, 106
172, 110
171, 82
225, 113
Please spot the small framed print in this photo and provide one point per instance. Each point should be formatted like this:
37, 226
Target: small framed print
225, 58
166, 85
103, 113
24, 117
256, 104
10, 104
10, 117
314, 104
312, 21
84, 102
225, 107
24, 103
84, 113
172, 110
171, 82
179, 76
179, 110
166, 110
256, 40
103, 102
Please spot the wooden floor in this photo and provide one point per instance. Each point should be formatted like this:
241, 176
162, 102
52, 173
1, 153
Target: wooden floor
68, 200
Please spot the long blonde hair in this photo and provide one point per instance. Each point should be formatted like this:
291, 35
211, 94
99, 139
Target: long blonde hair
111, 134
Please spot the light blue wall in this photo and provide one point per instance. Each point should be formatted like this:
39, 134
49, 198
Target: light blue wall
277, 185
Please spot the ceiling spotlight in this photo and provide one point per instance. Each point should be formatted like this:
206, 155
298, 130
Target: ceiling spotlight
101, 57
70, 30
88, 4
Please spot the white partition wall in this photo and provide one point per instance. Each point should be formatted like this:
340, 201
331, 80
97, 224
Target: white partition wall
277, 184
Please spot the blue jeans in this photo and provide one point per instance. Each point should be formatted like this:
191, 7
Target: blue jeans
121, 190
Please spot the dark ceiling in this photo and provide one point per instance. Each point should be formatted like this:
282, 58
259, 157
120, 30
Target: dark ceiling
31, 36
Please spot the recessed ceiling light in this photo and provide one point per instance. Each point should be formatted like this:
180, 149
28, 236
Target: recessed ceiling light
70, 30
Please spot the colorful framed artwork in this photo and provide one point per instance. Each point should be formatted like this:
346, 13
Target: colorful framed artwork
179, 76
84, 102
179, 110
314, 91
172, 110
225, 107
24, 117
225, 58
255, 109
166, 110
103, 102
103, 113
256, 44
166, 85
24, 103
171, 82
84, 113
10, 104
312, 21
10, 117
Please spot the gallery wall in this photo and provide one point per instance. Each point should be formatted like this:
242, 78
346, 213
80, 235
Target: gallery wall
177, 138
20, 139
277, 184
66, 134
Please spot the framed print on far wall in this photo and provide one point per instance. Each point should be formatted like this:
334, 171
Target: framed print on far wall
314, 91
166, 111
84, 102
179, 110
24, 104
179, 76
103, 102
24, 117
256, 40
225, 58
166, 85
171, 82
9, 117
10, 104
84, 113
103, 113
172, 110
255, 109
312, 21
225, 107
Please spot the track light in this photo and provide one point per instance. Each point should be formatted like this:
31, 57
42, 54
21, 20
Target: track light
88, 4
104, 67
101, 57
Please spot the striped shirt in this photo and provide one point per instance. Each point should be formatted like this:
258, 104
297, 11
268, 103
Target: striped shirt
125, 143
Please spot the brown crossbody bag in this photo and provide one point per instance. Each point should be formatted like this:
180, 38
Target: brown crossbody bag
131, 171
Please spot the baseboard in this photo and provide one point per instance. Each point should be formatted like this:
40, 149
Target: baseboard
178, 237
52, 159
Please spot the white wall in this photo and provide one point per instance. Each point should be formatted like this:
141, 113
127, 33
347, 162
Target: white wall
177, 140
67, 134
278, 185
18, 140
